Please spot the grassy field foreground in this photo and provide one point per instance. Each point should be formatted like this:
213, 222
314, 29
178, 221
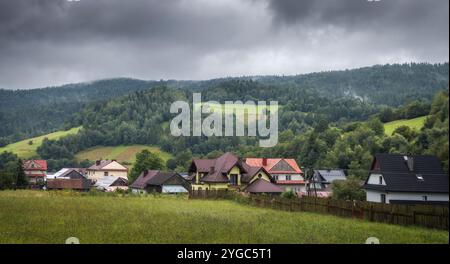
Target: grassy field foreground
51, 217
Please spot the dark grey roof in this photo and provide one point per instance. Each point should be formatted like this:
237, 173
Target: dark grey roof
425, 164
400, 178
153, 177
329, 176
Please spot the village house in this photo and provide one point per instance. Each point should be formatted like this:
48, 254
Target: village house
35, 170
228, 172
103, 168
320, 184
68, 179
285, 172
81, 184
417, 179
160, 181
111, 184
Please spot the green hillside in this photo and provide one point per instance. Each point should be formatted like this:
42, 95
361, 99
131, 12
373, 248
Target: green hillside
124, 154
26, 150
415, 123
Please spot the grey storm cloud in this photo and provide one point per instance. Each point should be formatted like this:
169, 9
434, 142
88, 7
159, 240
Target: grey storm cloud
51, 42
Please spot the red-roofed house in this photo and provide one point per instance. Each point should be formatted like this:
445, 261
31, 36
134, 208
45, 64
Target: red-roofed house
35, 170
286, 172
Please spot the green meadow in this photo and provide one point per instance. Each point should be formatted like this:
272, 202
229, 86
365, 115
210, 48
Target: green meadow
52, 217
26, 150
125, 154
415, 123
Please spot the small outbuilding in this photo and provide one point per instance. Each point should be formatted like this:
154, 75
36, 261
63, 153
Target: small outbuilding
111, 184
160, 181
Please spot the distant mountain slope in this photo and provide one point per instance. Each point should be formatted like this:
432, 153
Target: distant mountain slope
27, 113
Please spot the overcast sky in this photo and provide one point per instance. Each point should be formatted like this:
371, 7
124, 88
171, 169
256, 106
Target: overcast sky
52, 42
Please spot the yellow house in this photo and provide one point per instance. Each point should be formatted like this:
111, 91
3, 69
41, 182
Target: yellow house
103, 168
229, 172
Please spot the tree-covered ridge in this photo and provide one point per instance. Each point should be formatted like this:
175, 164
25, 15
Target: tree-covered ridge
26, 113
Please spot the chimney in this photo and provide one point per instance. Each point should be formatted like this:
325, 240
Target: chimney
264, 162
211, 170
97, 162
145, 172
410, 163
113, 160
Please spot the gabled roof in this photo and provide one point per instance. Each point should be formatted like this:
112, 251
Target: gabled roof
100, 164
153, 177
263, 186
328, 176
398, 163
40, 165
274, 165
107, 181
251, 172
65, 171
426, 174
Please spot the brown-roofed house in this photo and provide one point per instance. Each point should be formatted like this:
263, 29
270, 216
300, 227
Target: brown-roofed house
160, 181
103, 168
226, 172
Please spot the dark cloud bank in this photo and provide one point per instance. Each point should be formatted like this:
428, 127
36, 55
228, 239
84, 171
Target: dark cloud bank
49, 42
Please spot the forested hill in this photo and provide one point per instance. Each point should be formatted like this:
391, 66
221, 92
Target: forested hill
337, 95
26, 113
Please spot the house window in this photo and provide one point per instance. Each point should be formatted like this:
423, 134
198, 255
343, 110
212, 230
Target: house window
380, 180
275, 177
105, 173
383, 198
288, 177
424, 198
233, 179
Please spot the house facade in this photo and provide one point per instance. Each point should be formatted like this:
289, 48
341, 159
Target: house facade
228, 172
35, 170
160, 181
285, 172
403, 179
81, 184
103, 168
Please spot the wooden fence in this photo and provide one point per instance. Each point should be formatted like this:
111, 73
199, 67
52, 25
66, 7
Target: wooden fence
430, 216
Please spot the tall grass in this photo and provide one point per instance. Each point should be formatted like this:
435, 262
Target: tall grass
51, 217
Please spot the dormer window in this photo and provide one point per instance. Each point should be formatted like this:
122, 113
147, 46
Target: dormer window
380, 180
419, 177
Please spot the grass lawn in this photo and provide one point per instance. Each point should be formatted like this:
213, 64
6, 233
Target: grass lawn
230, 108
24, 150
415, 123
51, 217
126, 154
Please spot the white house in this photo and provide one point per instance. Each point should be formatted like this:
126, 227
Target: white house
103, 168
403, 179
